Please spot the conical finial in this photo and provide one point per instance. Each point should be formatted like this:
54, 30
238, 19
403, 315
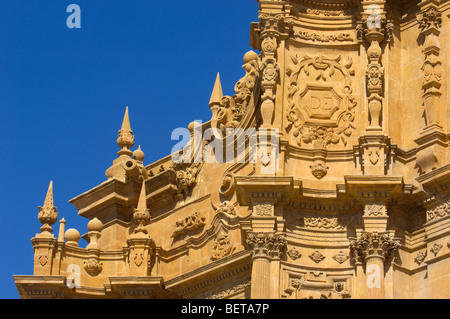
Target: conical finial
126, 136
126, 121
142, 203
47, 214
48, 202
141, 214
217, 93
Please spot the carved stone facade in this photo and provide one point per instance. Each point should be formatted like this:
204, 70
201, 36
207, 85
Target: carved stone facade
355, 205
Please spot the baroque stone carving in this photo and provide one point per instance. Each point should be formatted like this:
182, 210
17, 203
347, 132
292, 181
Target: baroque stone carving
439, 211
294, 253
325, 13
227, 208
323, 223
185, 178
222, 247
263, 209
369, 244
430, 22
317, 257
319, 169
93, 267
266, 244
271, 27
341, 257
375, 210
341, 37
233, 108
436, 248
320, 102
190, 223
420, 257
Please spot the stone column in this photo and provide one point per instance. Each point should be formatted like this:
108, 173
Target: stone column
373, 249
431, 149
265, 247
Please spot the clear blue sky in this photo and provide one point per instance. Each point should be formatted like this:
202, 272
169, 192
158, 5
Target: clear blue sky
63, 93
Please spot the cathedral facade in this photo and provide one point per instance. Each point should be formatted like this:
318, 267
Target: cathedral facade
325, 175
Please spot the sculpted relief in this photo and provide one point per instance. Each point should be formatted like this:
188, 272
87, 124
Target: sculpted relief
321, 108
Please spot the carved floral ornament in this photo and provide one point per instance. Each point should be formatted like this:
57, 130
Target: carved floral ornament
323, 223
340, 37
293, 253
321, 108
317, 257
439, 211
263, 209
436, 248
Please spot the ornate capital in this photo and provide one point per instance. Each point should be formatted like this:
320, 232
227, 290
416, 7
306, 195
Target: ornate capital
269, 245
273, 25
374, 244
430, 20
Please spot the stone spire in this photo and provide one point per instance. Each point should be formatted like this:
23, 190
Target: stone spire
217, 92
141, 213
48, 214
126, 136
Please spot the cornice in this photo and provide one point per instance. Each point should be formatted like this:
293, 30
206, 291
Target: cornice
230, 266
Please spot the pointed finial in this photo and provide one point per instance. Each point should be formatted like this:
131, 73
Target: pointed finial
126, 121
48, 214
217, 93
48, 202
126, 136
141, 214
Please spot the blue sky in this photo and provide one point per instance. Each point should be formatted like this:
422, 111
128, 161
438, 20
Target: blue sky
64, 92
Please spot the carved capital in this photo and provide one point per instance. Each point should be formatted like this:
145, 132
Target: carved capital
274, 25
430, 20
374, 244
269, 245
